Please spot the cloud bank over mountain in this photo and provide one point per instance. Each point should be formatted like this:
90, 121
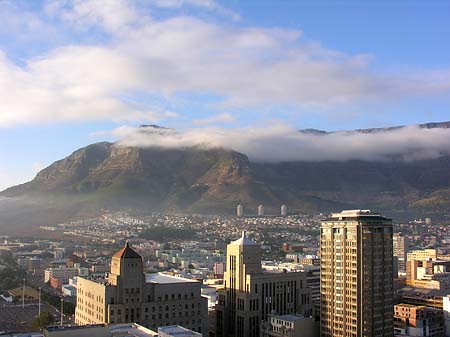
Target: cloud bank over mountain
283, 143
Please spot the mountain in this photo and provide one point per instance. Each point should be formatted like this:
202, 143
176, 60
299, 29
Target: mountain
200, 180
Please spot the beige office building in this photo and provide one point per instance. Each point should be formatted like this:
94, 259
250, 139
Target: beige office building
423, 254
251, 295
356, 285
127, 295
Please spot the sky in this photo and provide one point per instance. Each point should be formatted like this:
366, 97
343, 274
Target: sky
77, 72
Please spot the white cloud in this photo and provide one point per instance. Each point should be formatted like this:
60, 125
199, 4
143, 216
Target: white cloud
210, 5
282, 143
148, 62
223, 118
112, 15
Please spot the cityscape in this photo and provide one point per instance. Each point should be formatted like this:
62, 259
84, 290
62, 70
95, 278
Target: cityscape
222, 168
273, 275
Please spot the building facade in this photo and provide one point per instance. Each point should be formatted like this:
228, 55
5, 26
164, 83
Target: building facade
261, 210
127, 295
400, 243
240, 210
420, 321
423, 254
62, 273
356, 283
289, 326
251, 295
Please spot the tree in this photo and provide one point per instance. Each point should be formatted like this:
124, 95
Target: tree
44, 320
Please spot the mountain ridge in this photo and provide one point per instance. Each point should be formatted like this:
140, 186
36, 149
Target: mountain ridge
213, 181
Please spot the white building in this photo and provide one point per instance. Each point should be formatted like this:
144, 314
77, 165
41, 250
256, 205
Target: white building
62, 273
58, 254
260, 210
283, 210
240, 210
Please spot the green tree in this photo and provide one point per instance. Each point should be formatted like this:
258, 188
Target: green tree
44, 320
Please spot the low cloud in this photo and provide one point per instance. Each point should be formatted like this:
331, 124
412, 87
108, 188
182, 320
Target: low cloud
282, 143
223, 118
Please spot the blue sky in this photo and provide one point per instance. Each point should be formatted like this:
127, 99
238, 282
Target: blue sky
72, 72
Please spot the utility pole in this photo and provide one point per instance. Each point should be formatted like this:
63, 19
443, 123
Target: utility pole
39, 302
62, 310
23, 295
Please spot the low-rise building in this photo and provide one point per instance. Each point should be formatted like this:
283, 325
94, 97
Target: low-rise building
412, 320
128, 295
62, 273
290, 326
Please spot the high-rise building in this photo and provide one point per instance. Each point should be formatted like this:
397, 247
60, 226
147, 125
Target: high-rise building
250, 295
400, 243
283, 210
356, 283
260, 210
240, 210
127, 295
446, 310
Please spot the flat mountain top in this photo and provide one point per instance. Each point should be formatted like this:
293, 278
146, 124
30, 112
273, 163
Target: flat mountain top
213, 181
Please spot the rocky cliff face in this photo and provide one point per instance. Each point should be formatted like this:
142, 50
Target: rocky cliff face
106, 175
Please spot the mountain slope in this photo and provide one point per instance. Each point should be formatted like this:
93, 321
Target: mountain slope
195, 179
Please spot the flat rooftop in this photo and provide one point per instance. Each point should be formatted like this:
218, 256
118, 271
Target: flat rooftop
179, 331
166, 279
122, 330
289, 318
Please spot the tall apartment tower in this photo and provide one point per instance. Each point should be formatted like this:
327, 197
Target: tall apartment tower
283, 210
251, 295
260, 210
240, 210
401, 250
356, 285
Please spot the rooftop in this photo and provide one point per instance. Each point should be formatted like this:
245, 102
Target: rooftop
163, 278
122, 330
243, 241
179, 331
127, 252
356, 214
289, 318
